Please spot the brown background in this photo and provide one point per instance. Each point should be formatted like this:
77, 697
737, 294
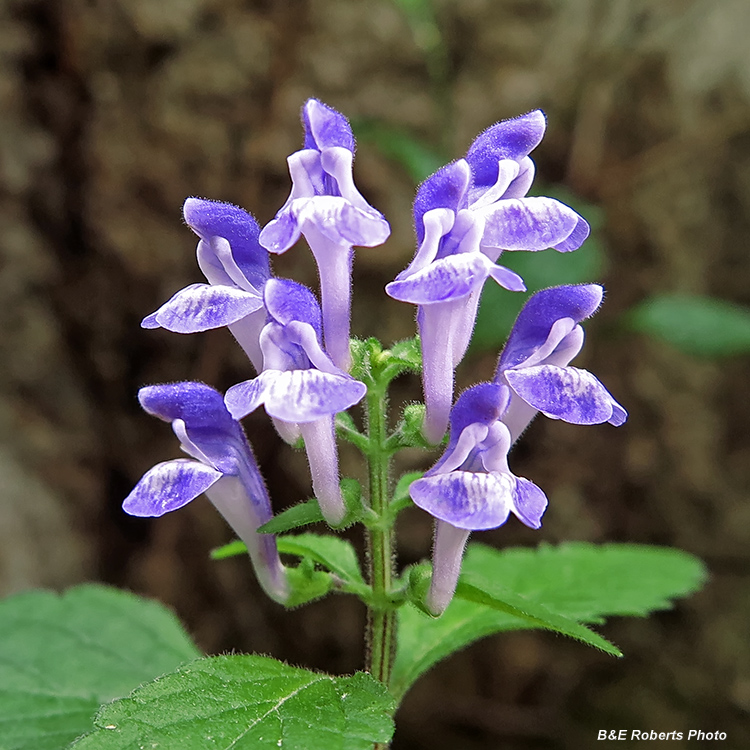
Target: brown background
111, 113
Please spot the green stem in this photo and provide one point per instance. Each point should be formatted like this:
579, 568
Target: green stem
381, 624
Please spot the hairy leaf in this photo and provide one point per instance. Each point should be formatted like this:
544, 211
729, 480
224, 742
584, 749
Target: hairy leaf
63, 655
584, 582
246, 703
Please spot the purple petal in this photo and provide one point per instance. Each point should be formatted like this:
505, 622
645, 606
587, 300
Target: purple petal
201, 307
197, 404
446, 279
507, 172
325, 127
442, 330
529, 503
539, 314
287, 301
169, 486
507, 279
447, 188
280, 233
466, 499
566, 393
340, 221
215, 219
447, 555
322, 455
245, 506
509, 139
483, 403
527, 224
521, 184
576, 238
295, 395
619, 415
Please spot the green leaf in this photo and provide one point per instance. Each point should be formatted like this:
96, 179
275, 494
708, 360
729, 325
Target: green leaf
246, 703
298, 515
401, 498
536, 614
332, 552
408, 353
703, 326
63, 655
229, 550
581, 581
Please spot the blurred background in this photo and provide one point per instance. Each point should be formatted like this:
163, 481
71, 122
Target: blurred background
111, 113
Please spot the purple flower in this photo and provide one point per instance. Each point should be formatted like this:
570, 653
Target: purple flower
326, 207
535, 362
300, 385
471, 486
236, 267
465, 216
222, 466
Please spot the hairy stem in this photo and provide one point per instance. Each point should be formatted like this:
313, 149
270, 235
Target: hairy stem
381, 625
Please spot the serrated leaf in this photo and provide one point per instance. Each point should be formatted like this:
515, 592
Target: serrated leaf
703, 326
63, 655
584, 582
246, 703
332, 552
590, 582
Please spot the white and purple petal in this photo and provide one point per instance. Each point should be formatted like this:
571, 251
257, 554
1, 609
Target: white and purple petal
530, 224
465, 499
529, 503
450, 279
576, 238
197, 404
521, 184
281, 232
340, 221
540, 313
507, 172
287, 301
168, 486
566, 393
202, 307
295, 395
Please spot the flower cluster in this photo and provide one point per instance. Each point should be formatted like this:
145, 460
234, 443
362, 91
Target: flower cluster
465, 216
